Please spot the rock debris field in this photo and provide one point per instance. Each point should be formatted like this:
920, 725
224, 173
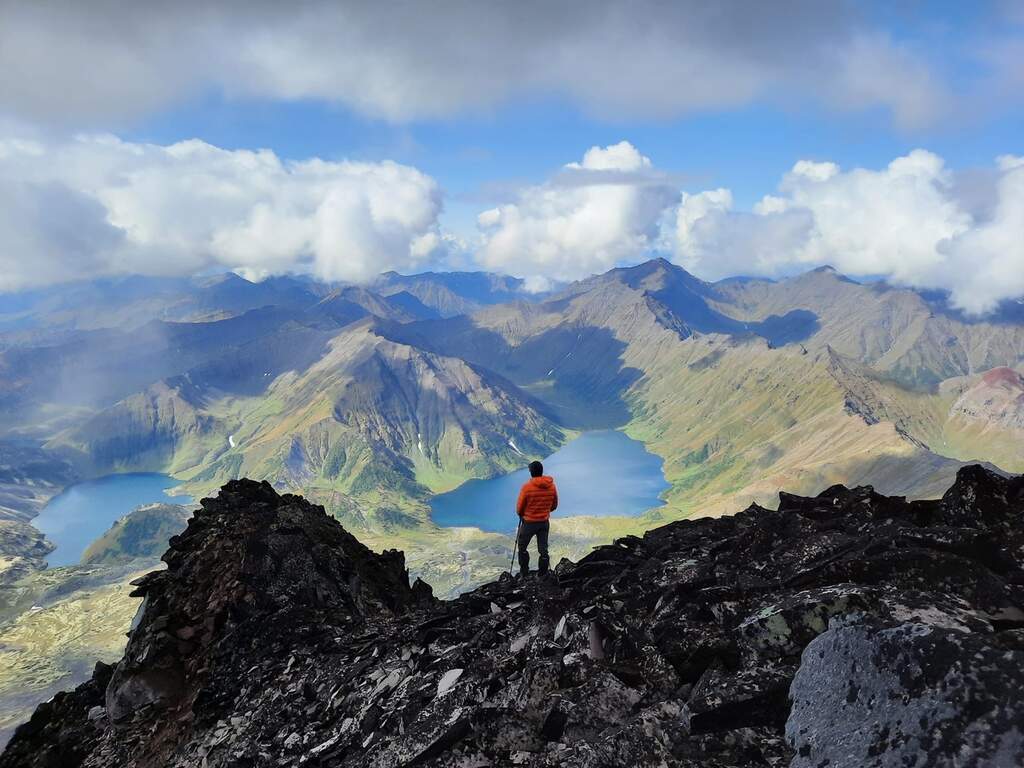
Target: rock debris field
849, 629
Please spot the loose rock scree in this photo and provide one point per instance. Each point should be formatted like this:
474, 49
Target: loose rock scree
845, 629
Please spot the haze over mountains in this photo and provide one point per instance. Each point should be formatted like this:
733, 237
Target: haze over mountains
425, 381
371, 399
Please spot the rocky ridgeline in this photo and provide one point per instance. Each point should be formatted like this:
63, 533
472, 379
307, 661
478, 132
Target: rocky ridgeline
850, 629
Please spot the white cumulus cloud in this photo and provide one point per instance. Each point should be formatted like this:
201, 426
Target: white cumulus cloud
96, 205
986, 264
593, 215
910, 222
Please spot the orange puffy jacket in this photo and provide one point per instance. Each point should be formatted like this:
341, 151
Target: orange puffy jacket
538, 498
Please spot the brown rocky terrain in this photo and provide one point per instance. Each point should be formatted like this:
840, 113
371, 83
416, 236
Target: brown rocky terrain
997, 400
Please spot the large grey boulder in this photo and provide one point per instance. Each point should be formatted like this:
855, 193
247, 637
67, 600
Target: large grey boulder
912, 696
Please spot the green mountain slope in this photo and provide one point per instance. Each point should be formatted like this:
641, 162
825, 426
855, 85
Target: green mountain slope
143, 533
370, 400
738, 385
897, 332
371, 418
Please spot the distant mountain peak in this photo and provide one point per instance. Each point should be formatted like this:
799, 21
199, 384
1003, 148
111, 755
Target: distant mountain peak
454, 293
653, 274
827, 270
222, 278
657, 264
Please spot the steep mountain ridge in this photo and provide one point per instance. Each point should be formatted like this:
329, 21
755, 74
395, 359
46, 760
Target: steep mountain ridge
567, 350
586, 352
734, 411
141, 431
970, 417
848, 628
902, 335
372, 413
684, 298
353, 303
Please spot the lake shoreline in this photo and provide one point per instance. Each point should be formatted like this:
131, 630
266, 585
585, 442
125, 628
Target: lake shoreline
600, 473
65, 520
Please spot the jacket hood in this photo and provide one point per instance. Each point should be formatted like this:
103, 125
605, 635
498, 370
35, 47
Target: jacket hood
544, 481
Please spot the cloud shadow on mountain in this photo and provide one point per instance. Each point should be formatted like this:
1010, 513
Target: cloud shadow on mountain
794, 326
576, 371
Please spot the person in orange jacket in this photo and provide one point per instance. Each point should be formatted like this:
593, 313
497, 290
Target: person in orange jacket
538, 498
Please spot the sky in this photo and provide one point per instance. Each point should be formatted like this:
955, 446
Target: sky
549, 140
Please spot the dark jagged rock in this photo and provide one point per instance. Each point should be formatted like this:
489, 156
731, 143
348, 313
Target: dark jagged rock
60, 731
845, 629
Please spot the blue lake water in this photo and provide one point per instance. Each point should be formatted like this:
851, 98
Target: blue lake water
598, 474
83, 512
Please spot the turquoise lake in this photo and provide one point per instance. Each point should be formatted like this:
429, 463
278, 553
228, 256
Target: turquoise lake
83, 512
598, 474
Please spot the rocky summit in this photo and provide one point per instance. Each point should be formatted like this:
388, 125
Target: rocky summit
848, 629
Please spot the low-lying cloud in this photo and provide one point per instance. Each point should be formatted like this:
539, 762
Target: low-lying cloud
592, 215
913, 222
95, 206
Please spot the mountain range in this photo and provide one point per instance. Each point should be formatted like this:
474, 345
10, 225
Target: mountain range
371, 399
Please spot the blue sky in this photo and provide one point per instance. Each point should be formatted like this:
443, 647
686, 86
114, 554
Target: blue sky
478, 156
546, 139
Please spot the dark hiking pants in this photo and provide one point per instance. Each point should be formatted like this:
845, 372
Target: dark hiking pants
527, 532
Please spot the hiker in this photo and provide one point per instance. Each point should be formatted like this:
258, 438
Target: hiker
538, 498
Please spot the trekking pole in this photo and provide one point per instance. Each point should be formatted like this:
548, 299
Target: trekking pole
515, 546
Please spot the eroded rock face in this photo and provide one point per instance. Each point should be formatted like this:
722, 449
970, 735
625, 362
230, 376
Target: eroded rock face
850, 628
